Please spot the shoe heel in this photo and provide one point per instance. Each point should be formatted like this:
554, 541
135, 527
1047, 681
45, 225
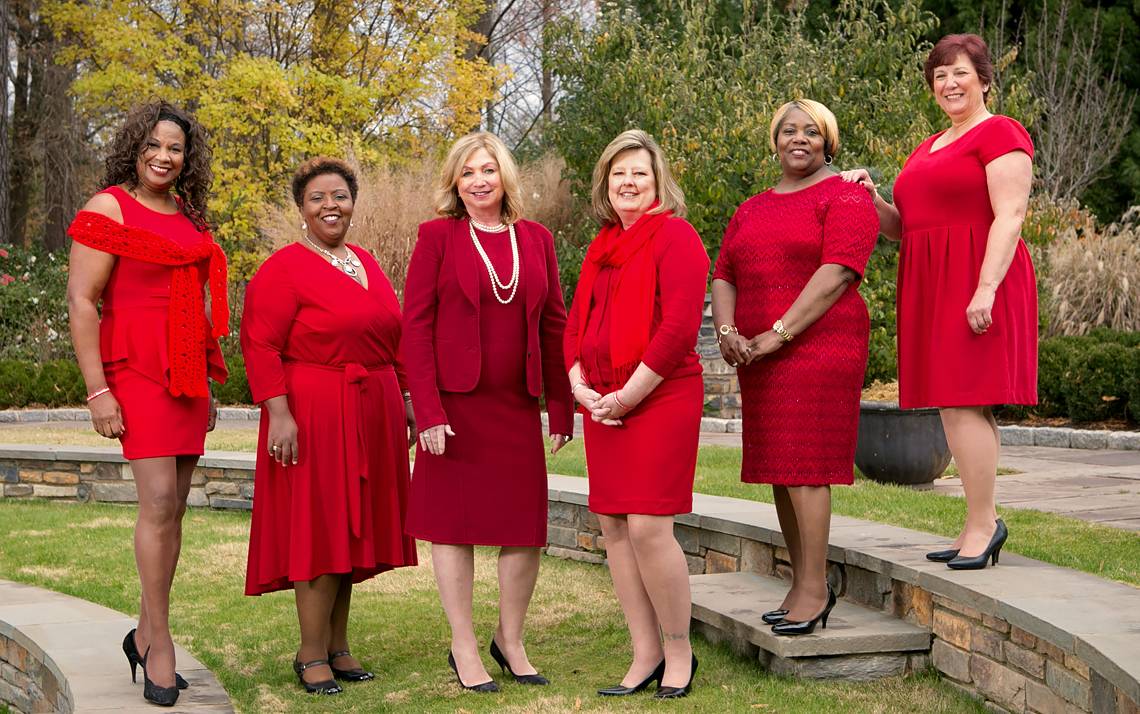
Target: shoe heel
823, 620
134, 672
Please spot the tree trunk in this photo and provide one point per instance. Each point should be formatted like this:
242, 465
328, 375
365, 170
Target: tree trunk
25, 118
58, 141
5, 155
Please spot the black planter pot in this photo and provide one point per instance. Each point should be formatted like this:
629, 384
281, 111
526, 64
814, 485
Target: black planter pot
903, 446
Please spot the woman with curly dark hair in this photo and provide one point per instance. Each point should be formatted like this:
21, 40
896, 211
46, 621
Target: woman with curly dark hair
142, 247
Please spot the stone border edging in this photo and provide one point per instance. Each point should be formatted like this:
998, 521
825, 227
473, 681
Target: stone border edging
30, 680
1011, 435
77, 642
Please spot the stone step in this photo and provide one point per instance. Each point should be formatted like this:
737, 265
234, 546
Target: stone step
858, 643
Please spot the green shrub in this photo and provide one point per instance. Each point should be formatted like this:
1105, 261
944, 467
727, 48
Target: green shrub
33, 304
1094, 381
236, 388
56, 383
16, 380
1052, 370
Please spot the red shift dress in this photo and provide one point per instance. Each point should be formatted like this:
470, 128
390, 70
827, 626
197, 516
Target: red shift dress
312, 333
647, 465
800, 404
133, 332
489, 486
944, 202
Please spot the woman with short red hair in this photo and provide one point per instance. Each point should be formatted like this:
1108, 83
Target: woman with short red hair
967, 295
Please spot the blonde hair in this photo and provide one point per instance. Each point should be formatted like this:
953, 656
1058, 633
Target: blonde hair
447, 200
820, 115
670, 195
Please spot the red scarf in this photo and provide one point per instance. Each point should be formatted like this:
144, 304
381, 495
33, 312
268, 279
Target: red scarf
631, 294
187, 338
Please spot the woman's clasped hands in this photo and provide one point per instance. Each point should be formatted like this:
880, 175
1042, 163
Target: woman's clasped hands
607, 409
739, 351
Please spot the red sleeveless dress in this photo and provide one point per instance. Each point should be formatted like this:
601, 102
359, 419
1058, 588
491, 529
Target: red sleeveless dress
133, 334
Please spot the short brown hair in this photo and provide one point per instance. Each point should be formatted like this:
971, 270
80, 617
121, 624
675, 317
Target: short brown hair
447, 200
947, 50
320, 166
670, 195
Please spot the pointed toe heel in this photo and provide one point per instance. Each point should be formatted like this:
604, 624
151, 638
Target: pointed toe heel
505, 666
787, 627
484, 688
131, 650
619, 690
942, 556
773, 616
677, 692
162, 696
987, 556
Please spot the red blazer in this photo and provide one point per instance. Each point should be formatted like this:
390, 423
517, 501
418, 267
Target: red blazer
440, 344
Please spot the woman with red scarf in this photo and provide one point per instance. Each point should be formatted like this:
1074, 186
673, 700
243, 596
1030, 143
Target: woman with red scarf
630, 349
141, 246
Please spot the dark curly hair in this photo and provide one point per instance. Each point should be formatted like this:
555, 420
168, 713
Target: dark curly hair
318, 166
192, 184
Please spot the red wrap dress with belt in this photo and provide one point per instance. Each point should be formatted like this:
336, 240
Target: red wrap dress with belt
328, 344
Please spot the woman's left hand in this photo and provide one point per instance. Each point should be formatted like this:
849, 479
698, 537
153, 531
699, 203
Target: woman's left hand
557, 441
213, 420
764, 344
979, 314
607, 410
410, 417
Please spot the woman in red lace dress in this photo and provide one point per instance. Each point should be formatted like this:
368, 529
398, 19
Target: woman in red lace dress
791, 320
630, 350
320, 333
141, 246
967, 294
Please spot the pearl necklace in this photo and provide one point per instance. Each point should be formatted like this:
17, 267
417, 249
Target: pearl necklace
496, 284
345, 264
488, 229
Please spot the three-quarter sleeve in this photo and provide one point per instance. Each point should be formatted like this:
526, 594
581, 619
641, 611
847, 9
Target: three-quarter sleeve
682, 276
850, 229
1002, 136
417, 342
270, 305
551, 328
570, 337
725, 268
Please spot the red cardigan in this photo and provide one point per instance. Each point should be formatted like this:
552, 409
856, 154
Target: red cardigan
682, 274
440, 343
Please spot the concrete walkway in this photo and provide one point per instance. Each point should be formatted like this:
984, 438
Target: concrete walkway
1099, 486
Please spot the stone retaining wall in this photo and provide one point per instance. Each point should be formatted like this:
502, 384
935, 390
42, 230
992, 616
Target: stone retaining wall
28, 683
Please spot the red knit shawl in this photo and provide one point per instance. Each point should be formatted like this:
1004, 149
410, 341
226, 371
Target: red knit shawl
187, 337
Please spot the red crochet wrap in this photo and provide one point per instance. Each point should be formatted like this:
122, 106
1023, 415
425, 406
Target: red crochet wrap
188, 327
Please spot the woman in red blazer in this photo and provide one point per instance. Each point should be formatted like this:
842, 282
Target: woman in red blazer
630, 349
483, 325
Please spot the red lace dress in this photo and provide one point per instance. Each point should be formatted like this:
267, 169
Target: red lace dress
801, 404
313, 334
944, 202
134, 331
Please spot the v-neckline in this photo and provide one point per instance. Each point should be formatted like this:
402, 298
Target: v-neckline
346, 276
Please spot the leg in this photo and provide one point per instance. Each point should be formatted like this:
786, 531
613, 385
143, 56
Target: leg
338, 625
635, 603
158, 533
454, 567
518, 572
791, 532
812, 506
315, 601
970, 432
665, 573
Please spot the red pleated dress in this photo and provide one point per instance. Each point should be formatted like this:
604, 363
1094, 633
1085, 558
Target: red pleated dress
944, 202
800, 405
312, 333
134, 328
648, 464
489, 486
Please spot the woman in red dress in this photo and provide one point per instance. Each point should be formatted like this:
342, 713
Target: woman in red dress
789, 266
141, 245
321, 334
483, 323
967, 294
630, 349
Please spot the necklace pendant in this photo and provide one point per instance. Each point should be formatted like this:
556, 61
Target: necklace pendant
348, 270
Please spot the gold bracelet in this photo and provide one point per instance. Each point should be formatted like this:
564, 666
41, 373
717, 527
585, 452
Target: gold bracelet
780, 330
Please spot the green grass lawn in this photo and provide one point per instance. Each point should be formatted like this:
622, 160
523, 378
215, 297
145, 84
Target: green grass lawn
576, 635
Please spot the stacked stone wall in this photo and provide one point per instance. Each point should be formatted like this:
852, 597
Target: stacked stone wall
27, 684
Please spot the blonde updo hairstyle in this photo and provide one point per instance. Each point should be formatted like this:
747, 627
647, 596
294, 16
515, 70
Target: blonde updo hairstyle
670, 195
447, 200
820, 115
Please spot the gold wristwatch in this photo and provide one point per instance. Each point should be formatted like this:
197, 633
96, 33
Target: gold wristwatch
779, 329
725, 331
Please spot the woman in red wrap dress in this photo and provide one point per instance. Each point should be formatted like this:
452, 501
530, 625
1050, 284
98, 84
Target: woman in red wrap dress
320, 334
967, 293
630, 349
141, 246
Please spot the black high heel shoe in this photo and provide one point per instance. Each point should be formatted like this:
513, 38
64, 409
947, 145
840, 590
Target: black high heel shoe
131, 650
989, 554
787, 627
489, 686
773, 616
677, 692
327, 686
349, 675
504, 665
162, 696
620, 691
942, 556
